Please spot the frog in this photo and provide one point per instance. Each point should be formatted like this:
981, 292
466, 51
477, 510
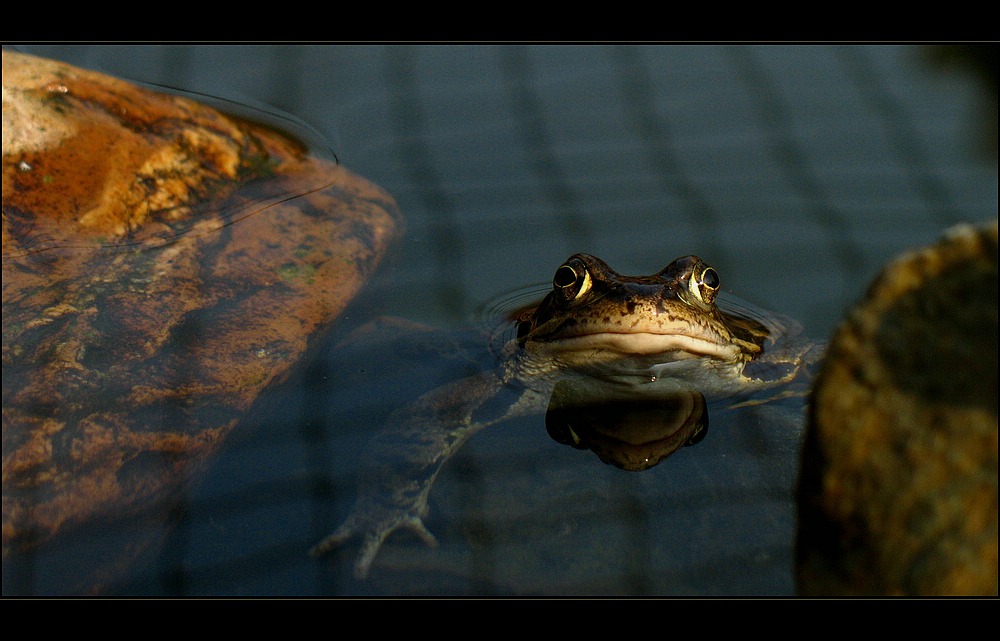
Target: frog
605, 336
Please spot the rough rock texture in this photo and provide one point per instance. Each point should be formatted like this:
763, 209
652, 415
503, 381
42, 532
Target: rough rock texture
162, 264
898, 487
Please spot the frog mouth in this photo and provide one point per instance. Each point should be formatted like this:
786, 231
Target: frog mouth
647, 344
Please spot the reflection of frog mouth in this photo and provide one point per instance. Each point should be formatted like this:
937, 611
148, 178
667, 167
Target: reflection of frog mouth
632, 434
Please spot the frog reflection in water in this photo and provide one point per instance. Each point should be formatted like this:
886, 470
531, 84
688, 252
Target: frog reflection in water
598, 334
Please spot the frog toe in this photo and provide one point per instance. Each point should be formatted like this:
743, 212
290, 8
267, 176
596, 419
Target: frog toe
339, 536
373, 543
369, 548
416, 525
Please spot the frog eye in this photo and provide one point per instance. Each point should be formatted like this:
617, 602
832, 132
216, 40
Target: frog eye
572, 280
704, 284
709, 284
565, 277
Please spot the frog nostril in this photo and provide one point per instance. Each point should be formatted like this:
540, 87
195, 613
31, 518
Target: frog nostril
523, 329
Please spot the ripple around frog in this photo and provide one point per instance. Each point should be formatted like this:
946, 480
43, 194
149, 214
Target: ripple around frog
498, 316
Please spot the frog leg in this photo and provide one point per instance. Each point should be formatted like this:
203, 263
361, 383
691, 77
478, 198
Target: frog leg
402, 461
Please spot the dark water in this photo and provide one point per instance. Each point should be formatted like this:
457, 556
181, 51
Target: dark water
796, 171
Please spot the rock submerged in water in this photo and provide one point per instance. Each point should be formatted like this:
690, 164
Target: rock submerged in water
898, 486
163, 264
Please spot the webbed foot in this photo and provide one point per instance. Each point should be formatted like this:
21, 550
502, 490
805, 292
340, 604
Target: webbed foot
402, 460
375, 534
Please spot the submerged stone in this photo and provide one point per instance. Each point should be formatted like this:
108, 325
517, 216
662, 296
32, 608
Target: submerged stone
163, 264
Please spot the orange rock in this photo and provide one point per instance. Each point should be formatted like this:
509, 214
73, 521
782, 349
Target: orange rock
163, 263
898, 487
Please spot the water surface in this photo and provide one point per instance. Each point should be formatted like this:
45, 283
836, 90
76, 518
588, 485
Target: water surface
796, 171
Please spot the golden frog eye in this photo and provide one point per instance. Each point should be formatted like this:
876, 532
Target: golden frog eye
572, 280
565, 277
708, 285
698, 283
